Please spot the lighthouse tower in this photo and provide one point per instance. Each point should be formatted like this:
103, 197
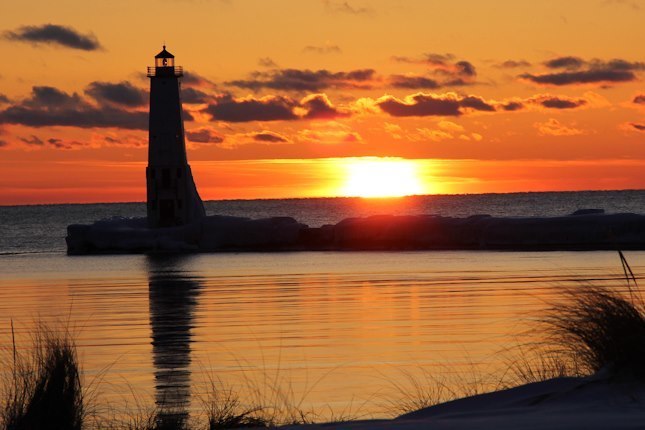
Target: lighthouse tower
172, 196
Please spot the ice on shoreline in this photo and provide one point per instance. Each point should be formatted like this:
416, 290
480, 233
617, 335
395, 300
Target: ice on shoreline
588, 229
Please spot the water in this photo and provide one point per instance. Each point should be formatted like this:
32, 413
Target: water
331, 331
32, 229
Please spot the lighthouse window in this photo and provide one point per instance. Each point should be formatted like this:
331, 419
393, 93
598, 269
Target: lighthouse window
165, 178
179, 173
152, 173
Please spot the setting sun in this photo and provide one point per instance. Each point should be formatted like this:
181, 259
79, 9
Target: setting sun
376, 177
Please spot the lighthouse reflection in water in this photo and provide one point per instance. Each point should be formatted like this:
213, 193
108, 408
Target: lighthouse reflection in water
173, 298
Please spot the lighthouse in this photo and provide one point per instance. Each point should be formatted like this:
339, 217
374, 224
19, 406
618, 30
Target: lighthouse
172, 196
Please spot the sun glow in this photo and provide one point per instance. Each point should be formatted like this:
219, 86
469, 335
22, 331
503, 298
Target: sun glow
382, 177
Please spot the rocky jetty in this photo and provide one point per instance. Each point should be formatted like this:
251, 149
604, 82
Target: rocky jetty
588, 229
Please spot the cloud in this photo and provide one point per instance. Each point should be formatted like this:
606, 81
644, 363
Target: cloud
335, 6
434, 135
3, 143
264, 137
413, 82
57, 35
192, 79
465, 68
4, 99
306, 80
64, 144
444, 66
422, 104
32, 140
453, 104
637, 126
194, 96
553, 127
476, 103
120, 94
49, 106
267, 62
513, 64
273, 108
559, 102
204, 135
118, 140
269, 108
512, 106
394, 130
419, 104
57, 143
639, 99
550, 101
568, 62
330, 133
327, 48
595, 72
268, 137
443, 130
318, 106
428, 58
50, 97
450, 126
581, 77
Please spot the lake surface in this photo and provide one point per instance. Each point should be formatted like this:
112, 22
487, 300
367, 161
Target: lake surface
329, 331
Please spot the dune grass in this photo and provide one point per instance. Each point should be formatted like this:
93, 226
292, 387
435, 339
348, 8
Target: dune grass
266, 401
531, 365
44, 385
600, 329
225, 410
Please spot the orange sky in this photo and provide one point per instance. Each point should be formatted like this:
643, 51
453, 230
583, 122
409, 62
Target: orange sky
286, 96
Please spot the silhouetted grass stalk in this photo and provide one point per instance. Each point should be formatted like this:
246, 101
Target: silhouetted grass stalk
44, 386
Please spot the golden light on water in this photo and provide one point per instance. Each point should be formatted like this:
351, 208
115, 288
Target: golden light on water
382, 177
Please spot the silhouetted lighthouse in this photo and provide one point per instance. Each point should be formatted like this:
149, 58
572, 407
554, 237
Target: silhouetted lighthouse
172, 195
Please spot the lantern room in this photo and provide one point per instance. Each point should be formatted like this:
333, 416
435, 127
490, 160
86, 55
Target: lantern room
165, 66
164, 59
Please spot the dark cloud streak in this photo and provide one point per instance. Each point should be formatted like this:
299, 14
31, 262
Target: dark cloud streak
269, 137
568, 62
52, 34
306, 80
270, 108
596, 71
122, 93
204, 135
413, 82
420, 105
32, 140
49, 106
513, 64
